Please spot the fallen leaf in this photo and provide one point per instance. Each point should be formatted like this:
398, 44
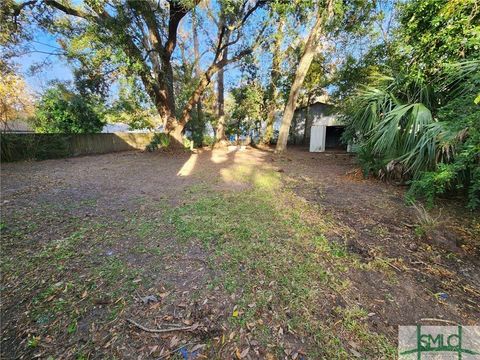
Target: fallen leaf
155, 306
197, 347
244, 353
164, 294
174, 342
153, 349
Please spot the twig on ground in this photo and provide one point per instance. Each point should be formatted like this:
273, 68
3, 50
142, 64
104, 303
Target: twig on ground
440, 320
393, 266
184, 328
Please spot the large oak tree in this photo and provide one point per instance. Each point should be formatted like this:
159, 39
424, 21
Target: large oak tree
145, 32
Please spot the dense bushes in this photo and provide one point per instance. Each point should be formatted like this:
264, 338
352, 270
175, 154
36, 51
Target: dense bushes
421, 122
16, 147
61, 110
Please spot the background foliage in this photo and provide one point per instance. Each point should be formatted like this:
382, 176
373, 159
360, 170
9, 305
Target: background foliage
415, 113
61, 110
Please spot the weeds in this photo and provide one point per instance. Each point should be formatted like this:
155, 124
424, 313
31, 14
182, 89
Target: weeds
425, 222
273, 256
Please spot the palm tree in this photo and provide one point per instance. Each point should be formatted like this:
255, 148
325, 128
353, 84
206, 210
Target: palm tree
407, 121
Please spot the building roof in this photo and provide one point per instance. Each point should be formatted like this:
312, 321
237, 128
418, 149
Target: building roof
16, 126
314, 103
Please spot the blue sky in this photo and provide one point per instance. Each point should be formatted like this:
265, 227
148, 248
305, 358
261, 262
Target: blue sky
56, 69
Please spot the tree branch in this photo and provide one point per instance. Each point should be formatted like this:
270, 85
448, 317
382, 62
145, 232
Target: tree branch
69, 10
17, 9
177, 12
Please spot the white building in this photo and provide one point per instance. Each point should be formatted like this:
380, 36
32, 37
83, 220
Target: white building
317, 125
122, 128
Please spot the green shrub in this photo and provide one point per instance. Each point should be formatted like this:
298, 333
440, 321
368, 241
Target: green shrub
16, 147
187, 143
60, 110
462, 173
159, 141
431, 184
208, 140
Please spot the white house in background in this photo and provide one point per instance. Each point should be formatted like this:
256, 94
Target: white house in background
18, 126
121, 127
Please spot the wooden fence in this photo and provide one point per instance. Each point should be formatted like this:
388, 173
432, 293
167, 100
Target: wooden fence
15, 147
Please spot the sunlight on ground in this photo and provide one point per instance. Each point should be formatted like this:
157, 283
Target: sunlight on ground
188, 167
242, 173
219, 157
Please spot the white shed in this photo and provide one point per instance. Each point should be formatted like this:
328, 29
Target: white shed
325, 129
325, 133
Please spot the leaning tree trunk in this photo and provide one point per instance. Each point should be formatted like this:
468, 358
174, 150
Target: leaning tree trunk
220, 106
301, 72
274, 78
221, 125
307, 120
220, 131
196, 52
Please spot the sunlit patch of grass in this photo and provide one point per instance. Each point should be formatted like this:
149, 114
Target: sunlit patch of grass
262, 180
272, 249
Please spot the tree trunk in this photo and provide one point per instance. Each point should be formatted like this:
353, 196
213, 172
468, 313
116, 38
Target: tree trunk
196, 52
220, 106
307, 119
197, 94
165, 81
221, 92
274, 78
301, 72
220, 131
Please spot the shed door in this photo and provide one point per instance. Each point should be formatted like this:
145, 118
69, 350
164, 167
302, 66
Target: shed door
317, 138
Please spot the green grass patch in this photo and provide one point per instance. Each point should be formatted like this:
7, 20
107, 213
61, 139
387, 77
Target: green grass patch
271, 247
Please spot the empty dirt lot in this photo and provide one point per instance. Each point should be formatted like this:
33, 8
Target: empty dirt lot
223, 254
